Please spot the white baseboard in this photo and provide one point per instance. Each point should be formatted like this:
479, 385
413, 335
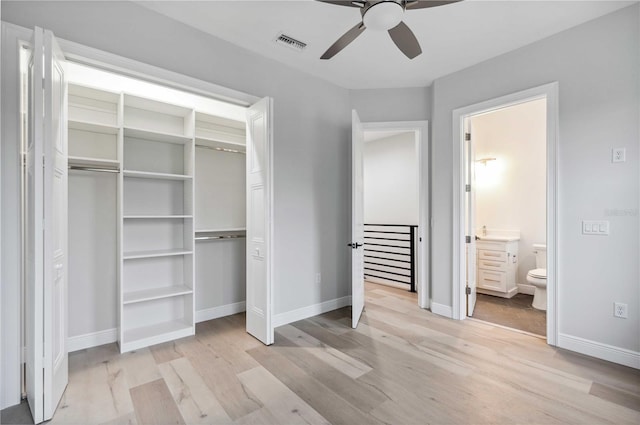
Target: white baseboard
220, 311
442, 310
310, 311
523, 288
599, 350
80, 342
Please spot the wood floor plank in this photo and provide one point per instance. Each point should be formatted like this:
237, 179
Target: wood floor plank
154, 404
622, 398
327, 403
220, 377
353, 391
284, 404
197, 404
337, 359
166, 352
259, 417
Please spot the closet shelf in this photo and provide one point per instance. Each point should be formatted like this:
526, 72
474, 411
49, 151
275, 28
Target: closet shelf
150, 335
94, 162
159, 176
127, 217
155, 294
139, 133
92, 127
233, 229
206, 142
132, 255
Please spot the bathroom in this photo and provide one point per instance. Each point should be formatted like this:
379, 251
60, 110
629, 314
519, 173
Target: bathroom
509, 160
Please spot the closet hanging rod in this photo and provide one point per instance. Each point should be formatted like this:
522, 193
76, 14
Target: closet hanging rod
214, 148
97, 170
210, 238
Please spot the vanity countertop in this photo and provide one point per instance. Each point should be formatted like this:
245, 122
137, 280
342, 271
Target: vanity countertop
498, 238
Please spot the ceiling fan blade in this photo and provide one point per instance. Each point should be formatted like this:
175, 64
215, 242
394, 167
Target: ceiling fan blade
423, 4
406, 41
358, 4
344, 41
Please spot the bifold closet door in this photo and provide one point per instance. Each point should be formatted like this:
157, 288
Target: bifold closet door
46, 222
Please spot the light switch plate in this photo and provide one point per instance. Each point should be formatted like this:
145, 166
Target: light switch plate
618, 155
595, 227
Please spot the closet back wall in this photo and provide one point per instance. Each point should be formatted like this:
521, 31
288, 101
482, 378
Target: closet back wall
93, 304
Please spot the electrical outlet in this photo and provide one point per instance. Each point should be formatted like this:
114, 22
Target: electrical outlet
618, 155
620, 310
318, 278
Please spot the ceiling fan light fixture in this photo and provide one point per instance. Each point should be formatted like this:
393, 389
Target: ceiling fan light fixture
383, 16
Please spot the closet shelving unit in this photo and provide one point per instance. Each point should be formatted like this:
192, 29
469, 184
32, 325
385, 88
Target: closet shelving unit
157, 278
220, 133
94, 127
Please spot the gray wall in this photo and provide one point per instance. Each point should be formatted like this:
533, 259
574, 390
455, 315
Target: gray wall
597, 67
312, 128
380, 105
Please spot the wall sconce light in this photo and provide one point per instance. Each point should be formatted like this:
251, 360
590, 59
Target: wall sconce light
485, 160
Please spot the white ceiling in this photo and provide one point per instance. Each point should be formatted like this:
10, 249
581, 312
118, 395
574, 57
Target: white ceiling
452, 37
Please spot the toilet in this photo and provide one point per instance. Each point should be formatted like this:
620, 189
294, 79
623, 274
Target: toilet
538, 277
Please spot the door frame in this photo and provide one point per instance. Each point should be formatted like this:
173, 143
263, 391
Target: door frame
421, 132
550, 93
14, 36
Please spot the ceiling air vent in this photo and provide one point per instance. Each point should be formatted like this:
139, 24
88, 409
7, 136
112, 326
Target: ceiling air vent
290, 42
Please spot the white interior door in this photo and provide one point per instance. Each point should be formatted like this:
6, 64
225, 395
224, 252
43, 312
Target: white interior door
46, 315
357, 220
470, 215
259, 219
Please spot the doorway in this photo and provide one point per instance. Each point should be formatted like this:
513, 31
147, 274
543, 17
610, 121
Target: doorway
371, 262
157, 137
505, 211
506, 204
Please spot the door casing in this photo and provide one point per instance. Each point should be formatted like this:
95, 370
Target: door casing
421, 132
550, 93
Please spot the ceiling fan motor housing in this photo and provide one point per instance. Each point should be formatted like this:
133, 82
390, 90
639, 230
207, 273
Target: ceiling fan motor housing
382, 15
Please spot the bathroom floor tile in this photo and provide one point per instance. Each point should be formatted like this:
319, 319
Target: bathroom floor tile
515, 312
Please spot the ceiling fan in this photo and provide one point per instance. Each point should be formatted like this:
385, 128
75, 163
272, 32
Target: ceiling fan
383, 15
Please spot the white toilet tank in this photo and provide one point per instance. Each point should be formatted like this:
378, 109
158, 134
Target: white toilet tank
541, 255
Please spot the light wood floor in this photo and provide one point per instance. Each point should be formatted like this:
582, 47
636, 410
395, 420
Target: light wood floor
402, 365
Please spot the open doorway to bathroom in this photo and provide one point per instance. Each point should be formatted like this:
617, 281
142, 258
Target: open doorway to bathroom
496, 256
506, 206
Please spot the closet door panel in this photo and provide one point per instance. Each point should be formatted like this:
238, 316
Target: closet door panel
92, 213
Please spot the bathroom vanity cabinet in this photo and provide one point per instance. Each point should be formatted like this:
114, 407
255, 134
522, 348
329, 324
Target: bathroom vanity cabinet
497, 264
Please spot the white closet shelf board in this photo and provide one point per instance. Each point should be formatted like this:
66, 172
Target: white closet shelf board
146, 217
237, 229
159, 176
156, 136
155, 294
94, 162
89, 92
92, 127
133, 255
158, 106
136, 338
216, 143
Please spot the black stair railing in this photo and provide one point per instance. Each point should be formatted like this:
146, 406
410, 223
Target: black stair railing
390, 253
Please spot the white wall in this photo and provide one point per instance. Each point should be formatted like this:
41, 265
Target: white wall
402, 104
391, 180
511, 191
597, 66
311, 132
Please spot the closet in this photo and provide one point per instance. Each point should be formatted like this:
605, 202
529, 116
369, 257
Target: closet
157, 210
